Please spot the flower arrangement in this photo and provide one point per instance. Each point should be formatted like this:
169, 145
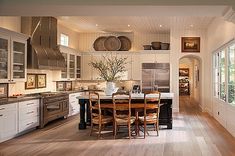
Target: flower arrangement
110, 68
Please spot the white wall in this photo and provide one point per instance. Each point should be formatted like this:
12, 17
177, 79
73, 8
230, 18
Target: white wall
73, 36
11, 22
51, 76
176, 54
220, 32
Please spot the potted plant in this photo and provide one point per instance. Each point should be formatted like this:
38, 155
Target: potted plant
110, 69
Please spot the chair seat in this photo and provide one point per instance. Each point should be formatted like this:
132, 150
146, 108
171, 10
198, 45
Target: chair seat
123, 119
104, 119
149, 118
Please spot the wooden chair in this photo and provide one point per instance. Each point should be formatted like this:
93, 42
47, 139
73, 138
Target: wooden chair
151, 110
97, 118
122, 111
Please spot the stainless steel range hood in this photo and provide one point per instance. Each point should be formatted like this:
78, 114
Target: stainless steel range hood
43, 52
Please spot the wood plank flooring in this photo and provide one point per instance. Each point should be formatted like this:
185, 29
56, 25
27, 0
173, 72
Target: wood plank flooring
194, 134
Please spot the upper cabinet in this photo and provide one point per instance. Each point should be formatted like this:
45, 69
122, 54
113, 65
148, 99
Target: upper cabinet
73, 64
13, 56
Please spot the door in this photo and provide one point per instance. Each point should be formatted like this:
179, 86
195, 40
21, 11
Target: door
78, 67
71, 66
4, 58
64, 71
18, 67
162, 80
147, 79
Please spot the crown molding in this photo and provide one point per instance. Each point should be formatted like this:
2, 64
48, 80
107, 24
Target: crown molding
229, 15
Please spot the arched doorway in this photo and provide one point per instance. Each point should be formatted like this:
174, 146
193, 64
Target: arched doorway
190, 80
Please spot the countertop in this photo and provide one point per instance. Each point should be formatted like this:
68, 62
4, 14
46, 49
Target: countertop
18, 99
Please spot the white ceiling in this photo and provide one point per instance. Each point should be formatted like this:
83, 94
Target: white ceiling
141, 18
147, 24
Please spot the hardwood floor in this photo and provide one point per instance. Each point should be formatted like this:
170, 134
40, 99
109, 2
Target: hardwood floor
194, 134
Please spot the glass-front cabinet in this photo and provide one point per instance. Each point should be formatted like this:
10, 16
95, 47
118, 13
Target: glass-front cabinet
73, 64
13, 55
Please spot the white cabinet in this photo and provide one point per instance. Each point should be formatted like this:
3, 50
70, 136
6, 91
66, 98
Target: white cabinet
86, 68
74, 107
28, 114
73, 64
136, 67
13, 54
8, 121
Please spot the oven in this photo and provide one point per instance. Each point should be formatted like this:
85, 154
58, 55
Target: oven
54, 106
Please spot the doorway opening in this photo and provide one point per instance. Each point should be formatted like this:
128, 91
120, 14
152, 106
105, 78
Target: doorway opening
189, 82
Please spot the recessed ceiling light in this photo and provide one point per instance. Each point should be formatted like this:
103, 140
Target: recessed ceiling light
96, 25
128, 25
160, 25
191, 25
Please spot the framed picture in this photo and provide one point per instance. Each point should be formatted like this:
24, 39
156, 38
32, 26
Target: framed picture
60, 86
183, 72
31, 81
41, 80
68, 85
3, 90
190, 44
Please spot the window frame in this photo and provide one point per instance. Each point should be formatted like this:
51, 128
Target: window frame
217, 70
65, 39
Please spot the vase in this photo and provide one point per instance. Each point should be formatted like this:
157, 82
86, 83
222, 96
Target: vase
110, 88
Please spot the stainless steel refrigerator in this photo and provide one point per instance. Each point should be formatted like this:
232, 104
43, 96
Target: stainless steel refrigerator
156, 76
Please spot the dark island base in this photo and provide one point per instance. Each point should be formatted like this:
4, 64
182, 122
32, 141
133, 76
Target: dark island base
165, 117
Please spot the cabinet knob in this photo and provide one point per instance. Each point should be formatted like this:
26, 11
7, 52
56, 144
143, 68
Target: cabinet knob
1, 115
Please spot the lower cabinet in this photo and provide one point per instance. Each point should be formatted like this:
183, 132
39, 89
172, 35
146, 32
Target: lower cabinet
28, 115
74, 107
8, 121
18, 117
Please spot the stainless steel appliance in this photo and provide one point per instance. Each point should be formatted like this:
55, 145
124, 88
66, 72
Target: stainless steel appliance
54, 105
156, 76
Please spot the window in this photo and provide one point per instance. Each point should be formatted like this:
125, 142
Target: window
224, 73
64, 40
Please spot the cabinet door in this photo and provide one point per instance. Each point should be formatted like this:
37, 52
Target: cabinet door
18, 67
8, 124
64, 72
86, 68
4, 58
136, 67
127, 75
95, 73
71, 66
78, 67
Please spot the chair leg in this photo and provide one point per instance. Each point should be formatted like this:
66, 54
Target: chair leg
91, 129
157, 129
115, 130
129, 130
100, 126
144, 129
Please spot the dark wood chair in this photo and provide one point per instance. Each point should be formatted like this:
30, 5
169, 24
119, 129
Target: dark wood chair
122, 112
97, 116
151, 110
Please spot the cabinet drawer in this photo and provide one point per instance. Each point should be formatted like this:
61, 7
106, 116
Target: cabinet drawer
8, 107
28, 113
28, 123
29, 103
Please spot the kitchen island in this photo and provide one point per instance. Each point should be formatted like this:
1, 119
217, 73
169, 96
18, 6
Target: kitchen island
165, 117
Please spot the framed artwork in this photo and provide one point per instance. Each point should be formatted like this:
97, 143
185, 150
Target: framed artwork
3, 90
183, 72
68, 85
31, 81
190, 44
41, 80
60, 86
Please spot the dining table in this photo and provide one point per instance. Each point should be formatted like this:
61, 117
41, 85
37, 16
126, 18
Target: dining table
137, 102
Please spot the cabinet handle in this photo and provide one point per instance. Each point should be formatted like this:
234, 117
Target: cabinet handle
30, 112
1, 115
29, 104
2, 108
30, 123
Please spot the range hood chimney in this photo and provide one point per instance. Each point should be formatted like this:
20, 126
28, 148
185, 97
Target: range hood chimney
43, 52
